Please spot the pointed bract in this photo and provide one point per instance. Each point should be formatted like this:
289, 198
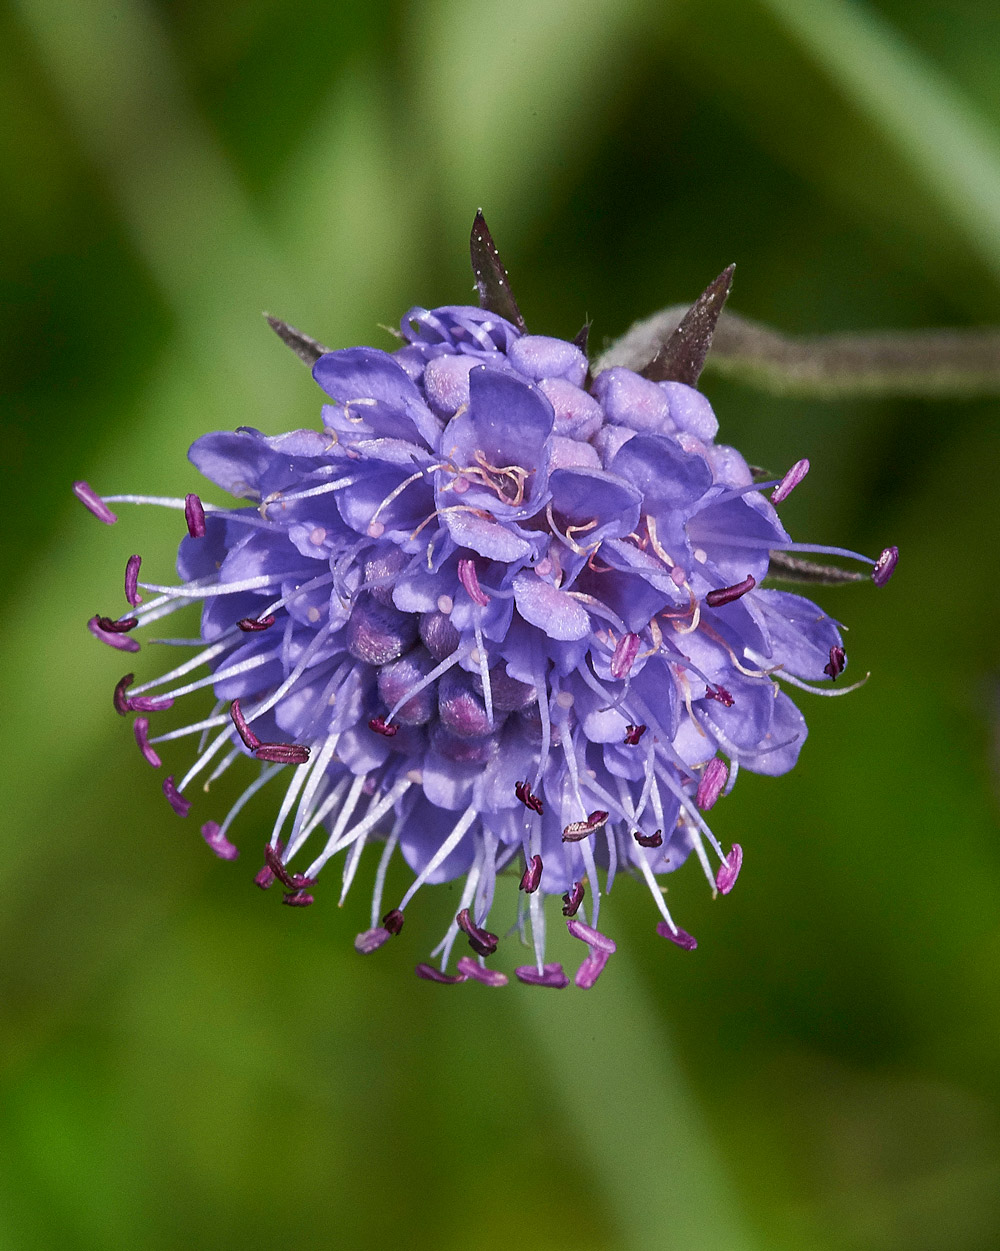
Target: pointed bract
304, 346
491, 278
682, 357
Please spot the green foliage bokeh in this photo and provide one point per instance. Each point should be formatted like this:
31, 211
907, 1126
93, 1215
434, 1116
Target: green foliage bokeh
183, 1062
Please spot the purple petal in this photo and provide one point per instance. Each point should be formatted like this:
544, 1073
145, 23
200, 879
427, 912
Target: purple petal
554, 611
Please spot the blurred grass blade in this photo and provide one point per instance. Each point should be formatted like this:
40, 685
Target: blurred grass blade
946, 144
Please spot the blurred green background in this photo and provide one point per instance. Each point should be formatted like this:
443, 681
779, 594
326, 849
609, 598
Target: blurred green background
183, 1062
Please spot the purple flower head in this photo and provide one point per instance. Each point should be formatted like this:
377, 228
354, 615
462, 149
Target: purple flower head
492, 614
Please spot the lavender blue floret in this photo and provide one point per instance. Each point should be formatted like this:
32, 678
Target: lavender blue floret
507, 615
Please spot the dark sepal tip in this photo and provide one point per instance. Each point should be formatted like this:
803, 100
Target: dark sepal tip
491, 276
682, 357
304, 346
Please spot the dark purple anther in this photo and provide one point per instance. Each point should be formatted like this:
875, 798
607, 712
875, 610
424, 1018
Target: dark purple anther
141, 728
726, 594
482, 942
633, 733
132, 580
176, 800
297, 898
523, 791
681, 937
729, 870
838, 659
552, 975
469, 579
370, 940
721, 694
626, 650
430, 974
250, 740
251, 625
488, 977
111, 626
573, 899
577, 830
121, 700
300, 881
282, 753
648, 840
532, 875
884, 566
393, 920
119, 641
790, 481
590, 970
89, 498
272, 858
266, 876
194, 515
593, 938
712, 781
383, 727
212, 833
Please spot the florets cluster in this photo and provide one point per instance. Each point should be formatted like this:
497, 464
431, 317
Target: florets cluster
496, 613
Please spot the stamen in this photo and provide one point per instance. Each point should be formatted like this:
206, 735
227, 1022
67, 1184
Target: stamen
790, 481
470, 580
682, 938
721, 694
576, 830
430, 974
573, 899
648, 840
298, 899
551, 975
488, 977
120, 699
194, 515
250, 740
729, 870
272, 858
532, 876
838, 659
590, 970
381, 726
884, 566
523, 791
482, 942
712, 781
132, 580
111, 626
141, 728
726, 594
176, 800
251, 625
594, 938
624, 656
370, 940
282, 753
393, 920
266, 876
89, 498
119, 641
212, 833
633, 733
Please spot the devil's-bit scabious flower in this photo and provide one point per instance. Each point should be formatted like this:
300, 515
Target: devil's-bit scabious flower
495, 613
